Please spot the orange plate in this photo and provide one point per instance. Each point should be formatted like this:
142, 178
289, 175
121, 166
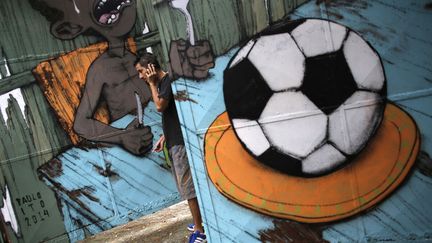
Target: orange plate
365, 181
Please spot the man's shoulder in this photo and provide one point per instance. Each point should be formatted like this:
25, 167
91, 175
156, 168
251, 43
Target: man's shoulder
166, 80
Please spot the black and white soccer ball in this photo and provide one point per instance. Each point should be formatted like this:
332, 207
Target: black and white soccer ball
304, 97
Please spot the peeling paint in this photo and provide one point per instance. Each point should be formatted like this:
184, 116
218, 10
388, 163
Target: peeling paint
52, 169
424, 163
107, 172
290, 231
336, 15
85, 191
182, 95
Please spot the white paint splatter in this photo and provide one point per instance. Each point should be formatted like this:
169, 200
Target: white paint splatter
8, 211
16, 93
6, 67
182, 6
76, 7
266, 2
145, 31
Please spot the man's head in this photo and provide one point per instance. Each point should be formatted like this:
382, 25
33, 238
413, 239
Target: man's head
142, 62
70, 18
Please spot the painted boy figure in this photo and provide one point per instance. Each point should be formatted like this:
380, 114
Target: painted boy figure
112, 76
138, 181
160, 86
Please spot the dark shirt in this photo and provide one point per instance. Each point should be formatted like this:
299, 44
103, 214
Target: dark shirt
170, 120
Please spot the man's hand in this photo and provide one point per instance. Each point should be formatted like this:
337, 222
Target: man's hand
190, 61
137, 140
151, 74
159, 144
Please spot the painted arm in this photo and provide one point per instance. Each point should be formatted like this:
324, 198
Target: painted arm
137, 140
191, 61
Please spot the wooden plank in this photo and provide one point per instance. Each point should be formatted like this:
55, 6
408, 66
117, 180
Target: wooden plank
62, 80
47, 135
116, 182
24, 78
216, 21
253, 16
15, 81
168, 24
148, 40
276, 9
18, 131
406, 73
26, 38
18, 167
147, 14
224, 23
5, 148
212, 20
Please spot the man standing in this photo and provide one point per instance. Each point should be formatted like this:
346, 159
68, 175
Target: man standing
160, 87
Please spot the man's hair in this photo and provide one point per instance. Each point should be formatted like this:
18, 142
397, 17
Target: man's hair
147, 58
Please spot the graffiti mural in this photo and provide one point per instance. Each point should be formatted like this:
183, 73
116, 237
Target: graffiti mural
101, 173
302, 120
309, 115
99, 184
307, 122
90, 179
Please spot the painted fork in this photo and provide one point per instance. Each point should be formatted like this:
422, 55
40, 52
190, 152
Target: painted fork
182, 6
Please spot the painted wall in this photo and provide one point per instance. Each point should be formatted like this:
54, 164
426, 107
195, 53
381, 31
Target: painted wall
70, 163
229, 177
65, 173
63, 178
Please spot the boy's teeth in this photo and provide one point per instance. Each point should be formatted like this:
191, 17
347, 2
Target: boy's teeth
111, 16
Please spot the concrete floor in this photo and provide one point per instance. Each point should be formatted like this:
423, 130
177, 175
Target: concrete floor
167, 225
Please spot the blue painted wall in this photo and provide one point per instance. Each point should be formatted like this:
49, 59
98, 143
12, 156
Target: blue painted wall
401, 33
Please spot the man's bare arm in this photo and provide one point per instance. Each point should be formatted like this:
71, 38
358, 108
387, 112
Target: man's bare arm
160, 103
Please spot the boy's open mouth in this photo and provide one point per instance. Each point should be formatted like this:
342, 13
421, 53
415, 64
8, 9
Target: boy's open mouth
108, 11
